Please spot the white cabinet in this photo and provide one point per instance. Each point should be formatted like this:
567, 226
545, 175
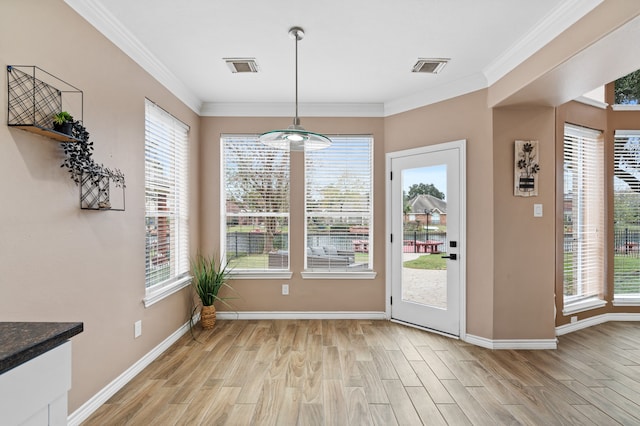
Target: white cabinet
35, 393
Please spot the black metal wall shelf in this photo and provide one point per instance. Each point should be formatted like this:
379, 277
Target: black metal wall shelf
36, 96
100, 193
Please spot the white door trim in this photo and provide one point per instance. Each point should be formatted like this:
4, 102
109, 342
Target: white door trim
461, 145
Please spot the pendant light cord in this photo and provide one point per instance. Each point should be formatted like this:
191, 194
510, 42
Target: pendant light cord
296, 120
295, 137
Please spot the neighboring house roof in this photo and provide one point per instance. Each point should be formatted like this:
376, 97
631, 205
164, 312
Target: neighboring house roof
420, 203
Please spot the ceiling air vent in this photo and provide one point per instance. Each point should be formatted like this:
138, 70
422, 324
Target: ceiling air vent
429, 66
241, 64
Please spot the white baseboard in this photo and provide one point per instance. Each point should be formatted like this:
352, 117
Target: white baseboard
528, 344
288, 315
89, 407
598, 319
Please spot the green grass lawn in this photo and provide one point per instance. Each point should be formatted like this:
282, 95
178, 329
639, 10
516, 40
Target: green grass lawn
626, 268
626, 273
254, 261
261, 261
428, 261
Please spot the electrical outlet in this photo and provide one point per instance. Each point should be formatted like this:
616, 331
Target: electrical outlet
137, 329
285, 289
574, 319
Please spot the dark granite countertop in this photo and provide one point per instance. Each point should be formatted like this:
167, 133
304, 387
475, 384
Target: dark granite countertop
23, 341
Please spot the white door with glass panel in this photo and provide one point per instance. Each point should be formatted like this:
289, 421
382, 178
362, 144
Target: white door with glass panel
426, 198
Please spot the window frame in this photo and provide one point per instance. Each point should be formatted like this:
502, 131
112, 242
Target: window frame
579, 303
265, 273
622, 299
169, 139
629, 106
340, 273
281, 273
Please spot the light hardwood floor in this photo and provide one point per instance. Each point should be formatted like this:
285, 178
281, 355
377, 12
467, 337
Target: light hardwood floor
379, 373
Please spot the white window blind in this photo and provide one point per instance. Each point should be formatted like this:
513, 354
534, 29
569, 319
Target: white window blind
166, 197
339, 205
584, 225
626, 213
256, 200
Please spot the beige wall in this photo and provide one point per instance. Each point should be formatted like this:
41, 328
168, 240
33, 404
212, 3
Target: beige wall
524, 251
60, 263
466, 117
305, 294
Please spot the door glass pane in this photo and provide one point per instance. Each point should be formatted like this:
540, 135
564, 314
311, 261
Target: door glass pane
424, 230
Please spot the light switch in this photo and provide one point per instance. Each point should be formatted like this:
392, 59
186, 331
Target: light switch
537, 210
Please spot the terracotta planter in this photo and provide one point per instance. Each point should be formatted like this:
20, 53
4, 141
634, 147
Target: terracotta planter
208, 317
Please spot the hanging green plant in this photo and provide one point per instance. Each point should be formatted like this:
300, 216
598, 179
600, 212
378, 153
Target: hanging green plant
79, 159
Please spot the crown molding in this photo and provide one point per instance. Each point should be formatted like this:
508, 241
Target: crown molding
440, 93
557, 21
592, 102
287, 109
94, 13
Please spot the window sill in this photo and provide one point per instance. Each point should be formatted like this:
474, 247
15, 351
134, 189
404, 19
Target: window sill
626, 300
625, 107
592, 102
155, 295
261, 275
327, 275
583, 305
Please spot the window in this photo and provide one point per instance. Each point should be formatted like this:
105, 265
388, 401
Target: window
338, 205
626, 217
584, 225
166, 201
256, 203
627, 89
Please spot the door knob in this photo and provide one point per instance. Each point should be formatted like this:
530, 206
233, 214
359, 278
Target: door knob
452, 256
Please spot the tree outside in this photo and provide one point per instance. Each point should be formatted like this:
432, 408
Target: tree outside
258, 186
627, 89
424, 189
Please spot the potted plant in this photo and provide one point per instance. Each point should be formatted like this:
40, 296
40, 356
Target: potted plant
63, 122
209, 276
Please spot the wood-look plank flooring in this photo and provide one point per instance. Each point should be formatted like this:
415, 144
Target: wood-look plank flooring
356, 372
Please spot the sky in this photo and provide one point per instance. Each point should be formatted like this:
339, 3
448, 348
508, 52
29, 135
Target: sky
437, 175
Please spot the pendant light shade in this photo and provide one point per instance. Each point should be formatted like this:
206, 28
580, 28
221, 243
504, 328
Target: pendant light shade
295, 137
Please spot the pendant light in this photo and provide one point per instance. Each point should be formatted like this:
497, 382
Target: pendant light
295, 137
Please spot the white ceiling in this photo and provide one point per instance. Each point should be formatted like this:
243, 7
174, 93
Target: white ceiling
355, 58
